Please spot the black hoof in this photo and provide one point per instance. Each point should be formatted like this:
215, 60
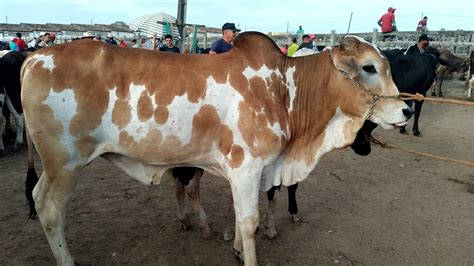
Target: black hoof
238, 255
403, 131
33, 215
417, 133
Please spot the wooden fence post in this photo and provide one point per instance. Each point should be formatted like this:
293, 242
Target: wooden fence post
374, 36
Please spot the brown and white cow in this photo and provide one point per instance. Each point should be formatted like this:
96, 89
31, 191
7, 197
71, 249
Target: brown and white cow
251, 115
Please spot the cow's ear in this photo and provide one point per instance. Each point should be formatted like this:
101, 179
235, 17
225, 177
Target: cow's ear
349, 44
347, 64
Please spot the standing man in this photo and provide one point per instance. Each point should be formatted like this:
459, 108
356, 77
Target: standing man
169, 47
229, 32
387, 23
420, 46
422, 25
300, 30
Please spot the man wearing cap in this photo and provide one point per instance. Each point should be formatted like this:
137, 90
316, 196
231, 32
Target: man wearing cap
307, 42
110, 39
387, 23
229, 32
420, 46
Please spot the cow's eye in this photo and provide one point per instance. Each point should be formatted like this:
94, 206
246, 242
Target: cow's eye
369, 69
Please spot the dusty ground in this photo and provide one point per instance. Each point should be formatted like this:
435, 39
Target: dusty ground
390, 208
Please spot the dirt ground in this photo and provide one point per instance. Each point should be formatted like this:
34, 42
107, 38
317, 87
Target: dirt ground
389, 208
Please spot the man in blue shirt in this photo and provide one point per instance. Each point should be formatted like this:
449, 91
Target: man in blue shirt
229, 32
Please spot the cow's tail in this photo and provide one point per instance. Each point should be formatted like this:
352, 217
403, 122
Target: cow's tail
31, 176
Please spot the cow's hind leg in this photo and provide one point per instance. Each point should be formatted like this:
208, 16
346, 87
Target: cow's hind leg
51, 195
292, 204
180, 198
2, 123
193, 193
269, 221
19, 123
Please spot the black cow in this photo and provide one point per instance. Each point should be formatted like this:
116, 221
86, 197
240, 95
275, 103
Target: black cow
412, 74
10, 90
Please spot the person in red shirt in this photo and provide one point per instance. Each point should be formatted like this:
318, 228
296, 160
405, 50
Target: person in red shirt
387, 23
422, 25
20, 43
122, 42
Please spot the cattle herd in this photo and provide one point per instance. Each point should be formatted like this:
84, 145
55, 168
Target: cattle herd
253, 116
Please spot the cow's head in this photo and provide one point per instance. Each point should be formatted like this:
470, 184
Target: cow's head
362, 62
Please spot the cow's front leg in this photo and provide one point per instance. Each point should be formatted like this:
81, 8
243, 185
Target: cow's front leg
245, 190
2, 129
418, 106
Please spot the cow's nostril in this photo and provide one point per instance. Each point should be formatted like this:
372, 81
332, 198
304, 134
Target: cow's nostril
407, 112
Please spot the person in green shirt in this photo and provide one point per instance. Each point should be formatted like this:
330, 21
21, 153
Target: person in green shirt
293, 47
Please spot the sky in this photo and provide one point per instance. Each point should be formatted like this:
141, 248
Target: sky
260, 15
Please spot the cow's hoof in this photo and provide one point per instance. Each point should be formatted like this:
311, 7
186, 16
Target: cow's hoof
239, 255
227, 235
270, 233
33, 215
417, 133
440, 95
206, 232
18, 146
186, 225
403, 131
295, 218
2, 153
433, 94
